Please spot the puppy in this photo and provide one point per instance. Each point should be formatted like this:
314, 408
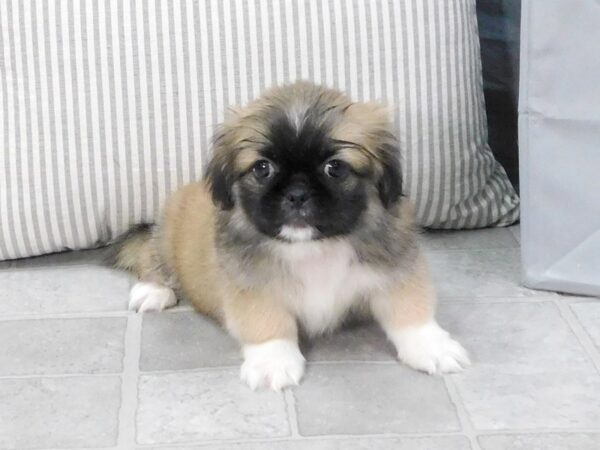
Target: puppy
299, 222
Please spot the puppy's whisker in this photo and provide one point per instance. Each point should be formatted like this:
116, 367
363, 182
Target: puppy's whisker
253, 141
331, 108
347, 144
255, 130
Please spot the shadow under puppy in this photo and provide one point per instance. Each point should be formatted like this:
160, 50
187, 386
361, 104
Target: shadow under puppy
299, 222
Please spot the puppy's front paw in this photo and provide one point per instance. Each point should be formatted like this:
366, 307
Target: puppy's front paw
145, 296
276, 364
430, 349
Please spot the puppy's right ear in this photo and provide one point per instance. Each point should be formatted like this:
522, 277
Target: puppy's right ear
220, 173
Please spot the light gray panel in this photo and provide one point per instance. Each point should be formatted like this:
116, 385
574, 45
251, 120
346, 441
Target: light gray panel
559, 133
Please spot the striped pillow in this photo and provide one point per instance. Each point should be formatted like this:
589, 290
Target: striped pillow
108, 105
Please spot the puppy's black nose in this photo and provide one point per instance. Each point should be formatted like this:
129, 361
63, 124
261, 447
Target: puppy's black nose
297, 196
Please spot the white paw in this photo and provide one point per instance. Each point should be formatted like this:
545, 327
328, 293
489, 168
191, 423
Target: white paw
275, 364
145, 296
430, 349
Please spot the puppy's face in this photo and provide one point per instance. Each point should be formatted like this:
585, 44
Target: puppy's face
304, 163
299, 185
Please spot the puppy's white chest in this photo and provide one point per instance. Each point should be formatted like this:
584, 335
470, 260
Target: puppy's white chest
329, 280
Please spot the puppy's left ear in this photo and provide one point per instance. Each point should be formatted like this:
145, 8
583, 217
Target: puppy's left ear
373, 120
389, 184
220, 173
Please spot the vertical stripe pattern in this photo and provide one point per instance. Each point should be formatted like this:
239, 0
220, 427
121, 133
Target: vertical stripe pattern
107, 106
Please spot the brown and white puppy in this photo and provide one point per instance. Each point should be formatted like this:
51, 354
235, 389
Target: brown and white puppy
299, 223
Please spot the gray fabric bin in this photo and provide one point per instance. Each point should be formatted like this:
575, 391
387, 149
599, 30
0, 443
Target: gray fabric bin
559, 135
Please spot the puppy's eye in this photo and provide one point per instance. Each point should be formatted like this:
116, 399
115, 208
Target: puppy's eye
262, 169
336, 169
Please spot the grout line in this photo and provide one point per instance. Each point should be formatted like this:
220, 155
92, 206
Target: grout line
290, 402
432, 251
59, 375
505, 299
129, 387
516, 234
80, 448
390, 362
66, 315
575, 299
539, 431
545, 297
463, 416
88, 314
209, 443
436, 250
63, 317
580, 333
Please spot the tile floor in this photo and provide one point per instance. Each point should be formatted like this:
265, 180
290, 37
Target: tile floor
78, 371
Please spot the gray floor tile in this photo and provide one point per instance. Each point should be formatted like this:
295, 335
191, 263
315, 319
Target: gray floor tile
427, 443
478, 273
59, 346
487, 238
62, 290
212, 404
369, 399
529, 370
61, 412
549, 441
185, 340
589, 316
361, 342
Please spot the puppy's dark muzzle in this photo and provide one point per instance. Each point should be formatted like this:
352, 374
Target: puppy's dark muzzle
297, 204
296, 197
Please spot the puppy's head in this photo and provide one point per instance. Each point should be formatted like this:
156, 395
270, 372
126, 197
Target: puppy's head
304, 162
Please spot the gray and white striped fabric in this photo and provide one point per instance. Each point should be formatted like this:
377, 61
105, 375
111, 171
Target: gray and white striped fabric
108, 105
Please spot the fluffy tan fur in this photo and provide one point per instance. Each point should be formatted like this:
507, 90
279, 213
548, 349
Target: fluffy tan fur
186, 245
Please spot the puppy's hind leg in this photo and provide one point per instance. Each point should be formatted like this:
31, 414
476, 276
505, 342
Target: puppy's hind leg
139, 253
147, 296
